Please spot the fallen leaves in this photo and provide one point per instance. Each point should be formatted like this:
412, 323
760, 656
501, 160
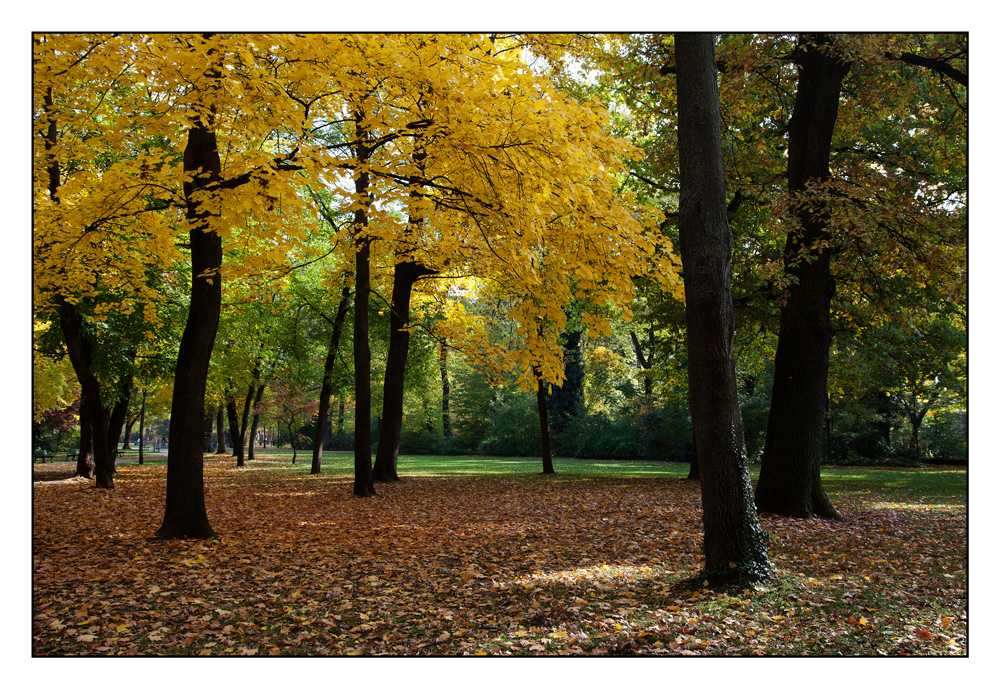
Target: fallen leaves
475, 565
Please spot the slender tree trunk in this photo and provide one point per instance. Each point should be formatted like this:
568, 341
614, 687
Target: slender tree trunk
142, 424
341, 412
364, 486
325, 389
244, 421
445, 391
207, 436
185, 514
234, 428
543, 421
119, 412
390, 429
566, 402
126, 442
220, 431
256, 420
790, 481
735, 545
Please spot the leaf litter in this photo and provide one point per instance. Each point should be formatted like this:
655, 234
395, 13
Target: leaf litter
478, 566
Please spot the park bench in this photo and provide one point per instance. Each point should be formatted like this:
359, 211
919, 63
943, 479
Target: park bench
71, 455
41, 455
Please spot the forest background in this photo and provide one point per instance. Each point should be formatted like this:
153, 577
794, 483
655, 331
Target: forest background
417, 405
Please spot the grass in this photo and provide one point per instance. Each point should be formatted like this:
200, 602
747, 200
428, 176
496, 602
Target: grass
483, 555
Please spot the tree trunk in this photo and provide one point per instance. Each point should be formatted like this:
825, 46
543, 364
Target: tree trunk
92, 410
220, 432
251, 439
390, 429
85, 459
543, 421
325, 389
142, 425
185, 514
119, 412
566, 401
126, 442
445, 391
207, 437
735, 545
240, 442
645, 362
693, 473
789, 481
364, 486
234, 428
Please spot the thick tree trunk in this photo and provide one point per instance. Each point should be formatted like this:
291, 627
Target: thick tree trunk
735, 545
391, 427
445, 391
326, 387
789, 481
185, 514
116, 421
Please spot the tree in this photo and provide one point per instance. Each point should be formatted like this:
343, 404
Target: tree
734, 542
790, 481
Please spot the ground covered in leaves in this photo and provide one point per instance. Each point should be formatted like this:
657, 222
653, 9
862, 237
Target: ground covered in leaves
473, 565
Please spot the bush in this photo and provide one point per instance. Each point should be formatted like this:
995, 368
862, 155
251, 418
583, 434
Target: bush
515, 431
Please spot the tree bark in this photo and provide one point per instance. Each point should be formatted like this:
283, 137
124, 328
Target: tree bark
445, 391
566, 401
543, 421
327, 386
790, 483
234, 427
185, 514
405, 274
363, 484
252, 437
142, 425
92, 411
735, 545
244, 421
85, 459
220, 431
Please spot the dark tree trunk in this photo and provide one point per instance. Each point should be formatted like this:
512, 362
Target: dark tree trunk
364, 486
240, 442
126, 442
234, 428
96, 454
693, 473
185, 514
252, 437
85, 459
116, 421
789, 481
220, 431
341, 414
445, 391
207, 438
645, 362
543, 421
142, 425
735, 545
391, 427
325, 389
566, 401
92, 412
